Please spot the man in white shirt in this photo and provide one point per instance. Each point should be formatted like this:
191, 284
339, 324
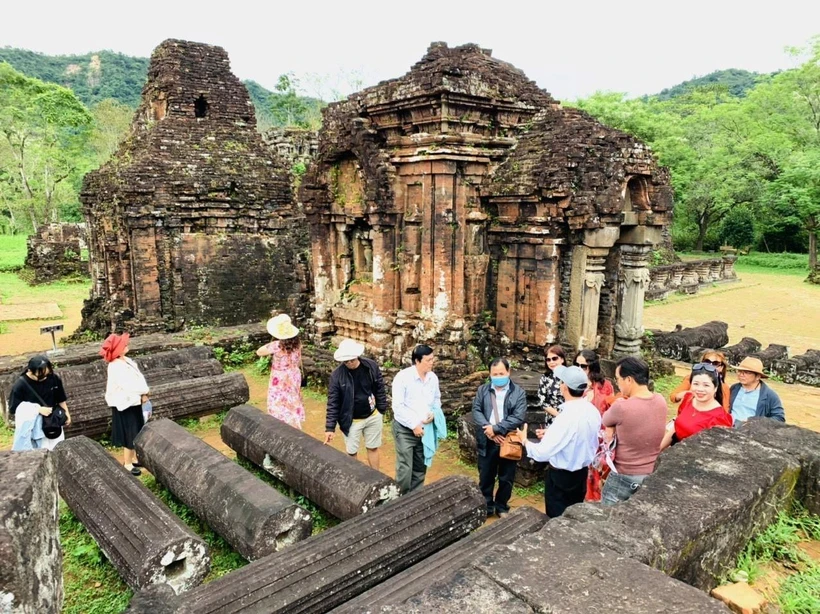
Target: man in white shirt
568, 445
415, 394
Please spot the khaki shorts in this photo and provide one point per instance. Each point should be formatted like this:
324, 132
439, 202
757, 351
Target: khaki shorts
370, 427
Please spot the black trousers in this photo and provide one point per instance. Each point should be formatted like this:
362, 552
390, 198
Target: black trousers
490, 466
563, 488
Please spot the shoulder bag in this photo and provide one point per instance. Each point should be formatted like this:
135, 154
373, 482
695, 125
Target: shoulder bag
511, 447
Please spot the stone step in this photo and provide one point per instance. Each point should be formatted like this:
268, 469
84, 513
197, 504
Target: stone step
331, 479
136, 532
254, 518
412, 580
31, 572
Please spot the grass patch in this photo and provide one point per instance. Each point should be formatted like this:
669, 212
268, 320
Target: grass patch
6, 436
535, 490
666, 384
11, 286
200, 425
781, 262
12, 252
800, 592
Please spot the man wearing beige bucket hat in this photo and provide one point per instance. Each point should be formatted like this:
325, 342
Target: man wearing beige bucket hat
356, 401
751, 397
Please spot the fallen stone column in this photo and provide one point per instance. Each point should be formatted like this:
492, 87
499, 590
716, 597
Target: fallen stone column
527, 472
771, 354
339, 484
31, 572
803, 368
188, 398
252, 517
331, 568
138, 534
555, 571
411, 581
737, 352
676, 344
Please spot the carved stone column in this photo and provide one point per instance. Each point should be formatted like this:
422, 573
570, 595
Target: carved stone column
634, 280
593, 282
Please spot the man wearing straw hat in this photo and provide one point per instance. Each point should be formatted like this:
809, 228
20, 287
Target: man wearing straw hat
751, 397
356, 401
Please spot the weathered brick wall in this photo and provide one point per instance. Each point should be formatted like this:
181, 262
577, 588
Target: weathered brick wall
55, 251
192, 220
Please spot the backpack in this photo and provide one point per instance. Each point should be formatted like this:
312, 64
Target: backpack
53, 423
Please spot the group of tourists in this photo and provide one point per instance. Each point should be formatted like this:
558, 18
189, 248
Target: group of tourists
599, 445
38, 402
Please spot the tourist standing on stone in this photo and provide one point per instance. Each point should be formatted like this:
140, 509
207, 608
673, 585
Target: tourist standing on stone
600, 393
415, 395
569, 445
701, 407
549, 388
285, 387
638, 423
356, 401
751, 396
125, 392
42, 391
716, 359
498, 408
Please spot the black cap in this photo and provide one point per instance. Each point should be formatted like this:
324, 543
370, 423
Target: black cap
38, 362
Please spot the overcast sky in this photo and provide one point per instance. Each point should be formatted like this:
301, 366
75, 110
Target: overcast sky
571, 48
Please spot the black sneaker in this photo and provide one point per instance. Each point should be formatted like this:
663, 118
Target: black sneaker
135, 471
137, 465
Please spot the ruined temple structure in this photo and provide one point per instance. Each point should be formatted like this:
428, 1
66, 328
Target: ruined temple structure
55, 252
192, 220
461, 199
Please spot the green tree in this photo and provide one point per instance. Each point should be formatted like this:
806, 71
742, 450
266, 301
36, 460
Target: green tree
44, 131
738, 228
112, 120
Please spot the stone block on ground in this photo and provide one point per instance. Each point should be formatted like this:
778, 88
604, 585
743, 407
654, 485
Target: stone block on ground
407, 583
741, 598
139, 535
708, 496
31, 572
740, 350
554, 572
676, 344
253, 517
185, 398
331, 479
333, 567
528, 471
802, 444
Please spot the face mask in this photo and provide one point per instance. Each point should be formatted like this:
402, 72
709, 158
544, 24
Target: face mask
500, 382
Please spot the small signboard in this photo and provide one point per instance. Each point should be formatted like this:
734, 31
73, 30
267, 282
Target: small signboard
53, 328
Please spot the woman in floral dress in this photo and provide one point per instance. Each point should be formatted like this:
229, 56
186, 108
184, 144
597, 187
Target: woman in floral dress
285, 388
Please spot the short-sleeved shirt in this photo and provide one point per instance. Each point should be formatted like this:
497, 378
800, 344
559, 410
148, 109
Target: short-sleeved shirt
639, 428
50, 392
362, 391
691, 420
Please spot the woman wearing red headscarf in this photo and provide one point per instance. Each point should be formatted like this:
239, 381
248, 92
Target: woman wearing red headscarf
125, 392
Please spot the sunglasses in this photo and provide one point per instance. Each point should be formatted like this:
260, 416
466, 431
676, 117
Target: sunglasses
582, 366
717, 363
553, 358
705, 366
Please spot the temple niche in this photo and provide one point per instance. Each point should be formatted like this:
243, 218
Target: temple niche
461, 195
192, 221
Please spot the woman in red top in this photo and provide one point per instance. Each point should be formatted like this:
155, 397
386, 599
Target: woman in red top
600, 394
702, 406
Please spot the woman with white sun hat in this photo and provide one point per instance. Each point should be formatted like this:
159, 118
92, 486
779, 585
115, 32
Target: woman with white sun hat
285, 388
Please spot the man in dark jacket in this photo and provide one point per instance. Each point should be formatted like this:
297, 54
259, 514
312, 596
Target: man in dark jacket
498, 408
356, 401
751, 397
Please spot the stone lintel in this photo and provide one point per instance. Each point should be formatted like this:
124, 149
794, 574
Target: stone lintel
640, 235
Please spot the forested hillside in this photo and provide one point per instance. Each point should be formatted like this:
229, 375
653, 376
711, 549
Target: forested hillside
103, 75
734, 81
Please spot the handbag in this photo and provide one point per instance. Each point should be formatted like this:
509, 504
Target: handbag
511, 447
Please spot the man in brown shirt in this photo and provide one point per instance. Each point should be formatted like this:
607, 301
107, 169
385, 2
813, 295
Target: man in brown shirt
638, 422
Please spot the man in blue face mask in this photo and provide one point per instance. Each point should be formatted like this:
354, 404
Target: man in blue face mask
498, 408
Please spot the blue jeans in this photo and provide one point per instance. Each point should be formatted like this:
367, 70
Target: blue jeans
619, 487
